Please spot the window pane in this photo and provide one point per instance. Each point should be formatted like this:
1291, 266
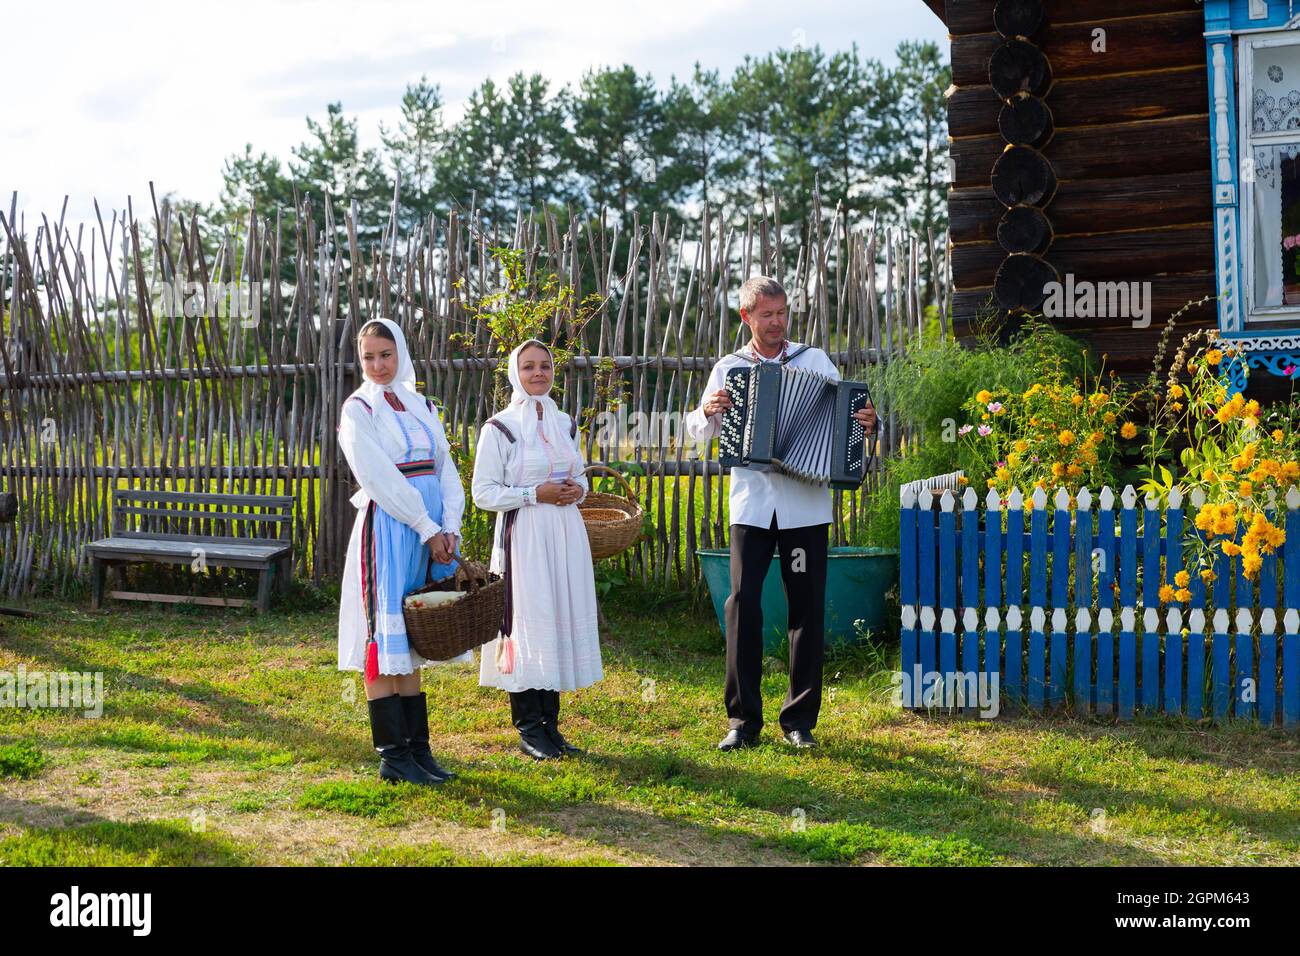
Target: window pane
1275, 103
1275, 213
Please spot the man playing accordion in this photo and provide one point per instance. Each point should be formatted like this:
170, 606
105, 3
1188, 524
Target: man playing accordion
770, 510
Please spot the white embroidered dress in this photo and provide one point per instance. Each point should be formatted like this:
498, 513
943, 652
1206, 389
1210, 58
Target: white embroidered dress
555, 623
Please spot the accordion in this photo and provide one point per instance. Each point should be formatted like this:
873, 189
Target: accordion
795, 422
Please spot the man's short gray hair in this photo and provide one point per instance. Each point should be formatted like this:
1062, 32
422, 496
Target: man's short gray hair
759, 287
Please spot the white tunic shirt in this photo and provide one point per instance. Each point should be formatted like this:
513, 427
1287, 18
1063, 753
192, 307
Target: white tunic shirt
756, 496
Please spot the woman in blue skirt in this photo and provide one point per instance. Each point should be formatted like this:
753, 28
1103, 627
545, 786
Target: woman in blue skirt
409, 510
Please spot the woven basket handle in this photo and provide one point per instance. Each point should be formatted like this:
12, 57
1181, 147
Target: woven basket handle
472, 574
630, 493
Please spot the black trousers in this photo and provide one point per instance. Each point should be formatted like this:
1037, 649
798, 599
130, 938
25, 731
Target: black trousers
803, 553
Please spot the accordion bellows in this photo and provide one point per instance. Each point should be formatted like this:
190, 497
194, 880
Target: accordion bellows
795, 422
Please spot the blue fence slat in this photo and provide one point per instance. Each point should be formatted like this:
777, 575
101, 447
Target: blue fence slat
1127, 556
1036, 677
1082, 663
1222, 582
1056, 660
970, 652
1060, 557
1083, 569
948, 656
1268, 573
1220, 673
1268, 671
1196, 665
1106, 542
1038, 557
1291, 559
907, 552
1291, 671
926, 553
947, 552
970, 554
1150, 676
907, 658
1013, 659
1127, 664
1174, 662
925, 640
1105, 662
1245, 687
992, 645
1015, 591
992, 557
1151, 556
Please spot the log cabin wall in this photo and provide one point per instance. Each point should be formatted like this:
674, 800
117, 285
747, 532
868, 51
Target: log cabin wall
1118, 138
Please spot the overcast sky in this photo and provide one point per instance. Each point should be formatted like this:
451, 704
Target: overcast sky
105, 97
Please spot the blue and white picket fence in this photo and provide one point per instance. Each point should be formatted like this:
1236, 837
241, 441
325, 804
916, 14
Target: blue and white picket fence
1083, 572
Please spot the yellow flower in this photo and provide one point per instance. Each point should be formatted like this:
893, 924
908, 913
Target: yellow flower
1021, 445
1209, 474
1108, 418
1181, 579
989, 482
1058, 469
1128, 430
963, 480
1207, 575
1066, 437
1251, 563
984, 396
1244, 489
1166, 593
1176, 406
1074, 471
1213, 357
1002, 474
1277, 434
1012, 460
1076, 400
1230, 549
1175, 391
1182, 594
1096, 438
1097, 399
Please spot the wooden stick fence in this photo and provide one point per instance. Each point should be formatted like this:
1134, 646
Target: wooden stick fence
105, 382
1218, 656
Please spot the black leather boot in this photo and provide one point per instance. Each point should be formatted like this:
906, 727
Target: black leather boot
526, 715
551, 719
416, 711
388, 731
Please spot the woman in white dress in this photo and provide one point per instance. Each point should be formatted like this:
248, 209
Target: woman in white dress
529, 469
408, 521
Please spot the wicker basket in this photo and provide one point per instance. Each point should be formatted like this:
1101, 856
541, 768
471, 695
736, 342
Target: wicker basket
443, 632
610, 534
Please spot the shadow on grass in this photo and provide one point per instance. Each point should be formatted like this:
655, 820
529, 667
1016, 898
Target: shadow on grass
90, 840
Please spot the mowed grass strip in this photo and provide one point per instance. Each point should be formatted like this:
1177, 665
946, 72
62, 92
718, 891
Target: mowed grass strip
245, 723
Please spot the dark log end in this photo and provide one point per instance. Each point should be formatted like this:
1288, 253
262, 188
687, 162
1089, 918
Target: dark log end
1023, 176
1024, 229
1018, 18
1021, 280
1019, 67
1025, 121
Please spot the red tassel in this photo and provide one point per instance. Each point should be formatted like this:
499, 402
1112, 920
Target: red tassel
372, 661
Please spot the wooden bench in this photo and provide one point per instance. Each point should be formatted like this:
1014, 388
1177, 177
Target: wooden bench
174, 527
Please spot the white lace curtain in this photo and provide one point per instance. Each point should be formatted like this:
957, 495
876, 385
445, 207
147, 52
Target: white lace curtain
1267, 199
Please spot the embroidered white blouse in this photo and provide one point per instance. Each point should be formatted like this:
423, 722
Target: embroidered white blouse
373, 455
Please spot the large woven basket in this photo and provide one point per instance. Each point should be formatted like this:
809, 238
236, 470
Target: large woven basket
441, 633
609, 534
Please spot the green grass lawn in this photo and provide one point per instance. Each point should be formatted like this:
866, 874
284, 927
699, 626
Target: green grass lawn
232, 739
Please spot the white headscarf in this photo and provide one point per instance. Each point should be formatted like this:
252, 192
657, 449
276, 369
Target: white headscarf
403, 386
520, 416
